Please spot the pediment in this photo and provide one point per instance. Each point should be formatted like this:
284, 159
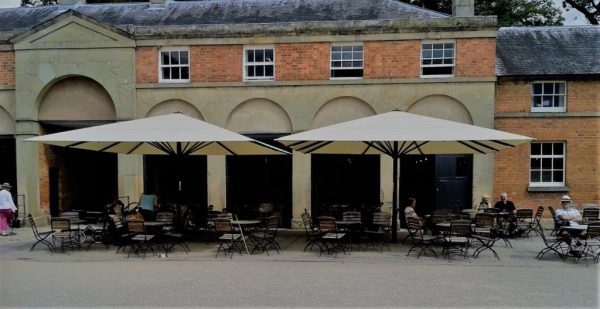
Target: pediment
73, 32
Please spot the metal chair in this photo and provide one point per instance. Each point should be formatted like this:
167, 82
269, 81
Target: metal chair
590, 215
228, 240
333, 239
62, 232
459, 239
381, 221
523, 222
266, 238
141, 240
420, 241
313, 235
485, 234
553, 244
40, 236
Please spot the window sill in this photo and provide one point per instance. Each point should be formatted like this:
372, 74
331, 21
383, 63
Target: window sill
547, 189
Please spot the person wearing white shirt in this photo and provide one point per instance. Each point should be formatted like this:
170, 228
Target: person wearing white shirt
7, 207
567, 213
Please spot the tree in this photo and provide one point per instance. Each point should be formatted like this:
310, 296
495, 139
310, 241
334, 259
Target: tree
509, 12
589, 8
31, 3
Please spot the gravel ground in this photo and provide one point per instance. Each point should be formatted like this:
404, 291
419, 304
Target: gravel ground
293, 278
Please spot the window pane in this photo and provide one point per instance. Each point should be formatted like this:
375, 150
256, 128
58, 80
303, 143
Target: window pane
537, 88
164, 58
448, 61
358, 56
438, 53
347, 64
437, 46
357, 64
336, 56
560, 101
250, 71
185, 73
165, 73
426, 62
347, 56
559, 88
535, 176
336, 64
175, 73
548, 88
448, 53
260, 70
174, 57
536, 148
184, 57
269, 70
557, 163
558, 176
347, 48
427, 46
547, 101
427, 53
546, 176
537, 101
449, 46
558, 148
336, 48
259, 55
269, 55
546, 163
535, 163
437, 61
547, 148
250, 55
358, 48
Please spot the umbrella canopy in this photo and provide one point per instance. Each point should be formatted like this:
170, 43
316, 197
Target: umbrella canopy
398, 133
173, 134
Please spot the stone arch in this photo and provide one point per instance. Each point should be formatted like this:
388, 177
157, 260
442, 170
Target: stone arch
175, 105
259, 116
76, 98
341, 109
441, 106
7, 125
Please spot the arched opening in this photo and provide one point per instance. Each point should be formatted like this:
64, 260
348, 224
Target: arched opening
252, 180
344, 182
437, 181
77, 179
162, 173
8, 151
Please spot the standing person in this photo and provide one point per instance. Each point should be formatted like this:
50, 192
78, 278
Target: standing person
7, 207
567, 213
504, 205
484, 204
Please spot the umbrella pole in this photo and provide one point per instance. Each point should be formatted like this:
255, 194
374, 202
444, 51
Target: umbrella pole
395, 201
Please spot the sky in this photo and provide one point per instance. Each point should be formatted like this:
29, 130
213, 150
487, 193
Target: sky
571, 18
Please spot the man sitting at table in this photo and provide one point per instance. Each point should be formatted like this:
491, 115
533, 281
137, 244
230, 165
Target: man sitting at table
504, 205
568, 214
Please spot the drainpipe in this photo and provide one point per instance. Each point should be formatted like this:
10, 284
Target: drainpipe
463, 8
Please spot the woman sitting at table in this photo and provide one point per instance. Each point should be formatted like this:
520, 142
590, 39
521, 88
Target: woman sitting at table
568, 214
484, 204
409, 211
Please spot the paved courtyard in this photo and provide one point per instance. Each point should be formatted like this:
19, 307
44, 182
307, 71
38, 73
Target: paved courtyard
101, 278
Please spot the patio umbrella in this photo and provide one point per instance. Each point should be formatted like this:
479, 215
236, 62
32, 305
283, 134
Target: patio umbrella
397, 134
173, 134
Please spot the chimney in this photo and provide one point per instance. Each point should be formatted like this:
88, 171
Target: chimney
463, 8
71, 2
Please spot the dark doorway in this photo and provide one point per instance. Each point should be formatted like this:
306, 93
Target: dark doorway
437, 182
53, 192
341, 182
161, 178
8, 157
252, 180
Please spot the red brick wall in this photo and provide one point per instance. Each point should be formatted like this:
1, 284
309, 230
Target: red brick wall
46, 161
392, 59
216, 63
302, 61
475, 57
7, 68
146, 65
581, 135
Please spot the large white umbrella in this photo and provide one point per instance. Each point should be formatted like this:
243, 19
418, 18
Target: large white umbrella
397, 134
172, 134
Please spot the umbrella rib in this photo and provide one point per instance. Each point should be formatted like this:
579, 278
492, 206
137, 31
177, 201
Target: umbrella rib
366, 149
322, 144
163, 147
224, 147
503, 143
197, 146
412, 146
474, 148
382, 147
309, 145
75, 144
135, 147
484, 145
109, 146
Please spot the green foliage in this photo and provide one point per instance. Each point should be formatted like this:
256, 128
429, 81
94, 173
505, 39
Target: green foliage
589, 8
509, 12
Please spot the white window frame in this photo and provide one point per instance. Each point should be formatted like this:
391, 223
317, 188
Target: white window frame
550, 157
171, 66
549, 109
362, 60
246, 63
453, 66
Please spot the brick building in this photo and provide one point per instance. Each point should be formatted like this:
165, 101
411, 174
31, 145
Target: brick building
549, 88
264, 68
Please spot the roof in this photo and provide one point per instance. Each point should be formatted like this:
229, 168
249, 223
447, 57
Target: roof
538, 51
216, 12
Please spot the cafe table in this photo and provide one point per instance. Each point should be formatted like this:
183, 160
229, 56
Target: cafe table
247, 226
573, 231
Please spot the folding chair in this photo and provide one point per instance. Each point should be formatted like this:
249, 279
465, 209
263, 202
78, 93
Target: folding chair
40, 236
333, 237
313, 235
420, 241
459, 239
228, 240
141, 240
485, 234
381, 221
266, 239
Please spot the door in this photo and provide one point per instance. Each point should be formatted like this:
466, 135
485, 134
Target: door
454, 178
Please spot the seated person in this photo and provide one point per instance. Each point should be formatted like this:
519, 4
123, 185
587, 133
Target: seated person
148, 206
504, 205
568, 214
484, 204
409, 211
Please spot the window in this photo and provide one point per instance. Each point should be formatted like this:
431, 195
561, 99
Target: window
174, 66
437, 59
347, 61
547, 167
259, 63
548, 97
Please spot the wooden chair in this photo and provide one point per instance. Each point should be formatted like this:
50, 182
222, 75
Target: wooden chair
484, 234
265, 239
313, 235
333, 239
40, 236
459, 239
553, 244
523, 222
536, 225
228, 239
141, 240
590, 215
420, 241
555, 219
62, 232
592, 242
380, 236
